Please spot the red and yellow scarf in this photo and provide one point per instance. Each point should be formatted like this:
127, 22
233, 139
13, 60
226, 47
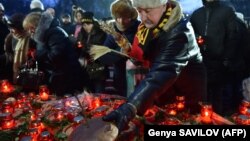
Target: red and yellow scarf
145, 35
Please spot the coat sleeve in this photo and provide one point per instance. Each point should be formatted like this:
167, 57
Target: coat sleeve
172, 57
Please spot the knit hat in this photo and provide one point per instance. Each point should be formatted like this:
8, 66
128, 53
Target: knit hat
123, 8
36, 4
148, 3
16, 21
88, 17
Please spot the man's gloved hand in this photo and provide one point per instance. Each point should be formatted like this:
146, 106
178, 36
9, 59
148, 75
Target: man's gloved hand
122, 115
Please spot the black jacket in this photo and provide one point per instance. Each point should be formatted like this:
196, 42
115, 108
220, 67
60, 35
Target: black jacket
217, 24
57, 57
176, 68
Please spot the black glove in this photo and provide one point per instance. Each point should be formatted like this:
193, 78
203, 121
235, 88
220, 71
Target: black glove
122, 115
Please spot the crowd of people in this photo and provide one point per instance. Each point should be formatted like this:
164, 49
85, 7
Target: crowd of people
167, 55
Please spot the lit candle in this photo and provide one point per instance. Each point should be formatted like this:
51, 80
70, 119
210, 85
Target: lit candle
44, 92
96, 102
244, 107
7, 121
7, 107
171, 109
79, 44
6, 87
59, 115
33, 116
150, 115
171, 121
33, 132
180, 102
206, 113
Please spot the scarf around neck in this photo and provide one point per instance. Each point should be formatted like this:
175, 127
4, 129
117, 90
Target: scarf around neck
145, 35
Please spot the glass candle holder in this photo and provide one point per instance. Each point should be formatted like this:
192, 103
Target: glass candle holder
79, 44
8, 107
6, 87
171, 109
7, 121
242, 120
180, 102
58, 115
44, 92
206, 113
244, 108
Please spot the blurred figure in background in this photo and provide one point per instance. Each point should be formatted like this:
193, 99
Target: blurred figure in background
91, 34
125, 24
36, 6
215, 22
18, 54
3, 28
3, 33
55, 55
67, 25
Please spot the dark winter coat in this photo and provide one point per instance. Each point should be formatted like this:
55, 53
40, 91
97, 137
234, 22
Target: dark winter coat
4, 31
96, 70
176, 67
57, 57
216, 23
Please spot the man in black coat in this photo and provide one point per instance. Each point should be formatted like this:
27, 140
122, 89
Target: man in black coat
168, 43
215, 22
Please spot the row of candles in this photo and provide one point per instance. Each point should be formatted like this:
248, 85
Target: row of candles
24, 101
7, 88
178, 106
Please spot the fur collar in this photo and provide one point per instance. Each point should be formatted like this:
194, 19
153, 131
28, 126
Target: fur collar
175, 17
43, 25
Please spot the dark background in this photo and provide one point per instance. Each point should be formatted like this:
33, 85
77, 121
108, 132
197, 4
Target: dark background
101, 8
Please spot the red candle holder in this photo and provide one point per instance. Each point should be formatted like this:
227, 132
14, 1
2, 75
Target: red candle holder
171, 121
44, 92
33, 133
58, 115
79, 44
8, 107
180, 103
7, 121
244, 108
6, 87
22, 96
171, 109
206, 113
96, 102
242, 120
